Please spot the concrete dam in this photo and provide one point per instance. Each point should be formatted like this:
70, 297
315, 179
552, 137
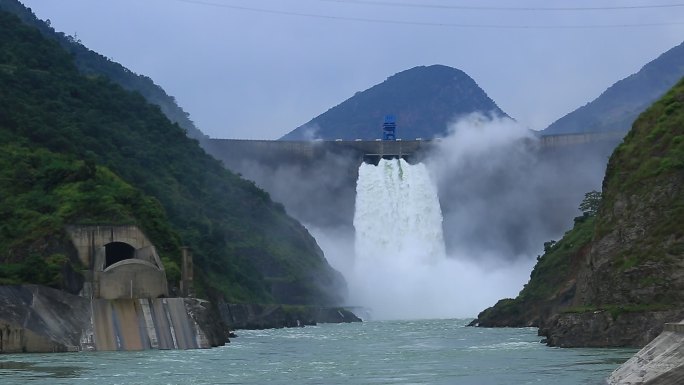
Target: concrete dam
231, 151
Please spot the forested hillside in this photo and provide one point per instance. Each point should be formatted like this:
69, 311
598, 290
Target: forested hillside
97, 152
92, 63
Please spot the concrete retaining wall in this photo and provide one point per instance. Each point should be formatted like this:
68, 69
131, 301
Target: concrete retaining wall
661, 362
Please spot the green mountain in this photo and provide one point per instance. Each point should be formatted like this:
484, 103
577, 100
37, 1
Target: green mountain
89, 62
424, 101
618, 106
81, 149
618, 275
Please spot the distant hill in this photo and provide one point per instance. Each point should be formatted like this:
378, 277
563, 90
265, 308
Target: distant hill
618, 106
92, 63
423, 99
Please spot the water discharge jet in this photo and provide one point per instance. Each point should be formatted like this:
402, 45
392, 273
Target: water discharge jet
397, 215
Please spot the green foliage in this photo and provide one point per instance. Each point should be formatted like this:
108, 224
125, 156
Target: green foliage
647, 164
654, 146
590, 204
35, 269
92, 64
43, 192
111, 140
616, 310
554, 268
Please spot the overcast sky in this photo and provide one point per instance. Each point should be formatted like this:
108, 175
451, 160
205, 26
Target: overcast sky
256, 69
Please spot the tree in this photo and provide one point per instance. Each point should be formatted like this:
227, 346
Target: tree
591, 203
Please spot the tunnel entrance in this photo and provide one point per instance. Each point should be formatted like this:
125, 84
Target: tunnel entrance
117, 252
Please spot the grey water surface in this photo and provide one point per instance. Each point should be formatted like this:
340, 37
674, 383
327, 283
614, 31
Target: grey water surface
376, 352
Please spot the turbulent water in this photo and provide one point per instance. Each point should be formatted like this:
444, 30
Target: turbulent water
389, 352
400, 269
397, 215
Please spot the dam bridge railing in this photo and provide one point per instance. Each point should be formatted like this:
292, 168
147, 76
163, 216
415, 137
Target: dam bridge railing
372, 150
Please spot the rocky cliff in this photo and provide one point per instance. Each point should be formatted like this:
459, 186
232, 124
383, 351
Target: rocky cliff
265, 316
616, 277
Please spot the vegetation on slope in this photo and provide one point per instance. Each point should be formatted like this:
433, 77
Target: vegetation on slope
643, 212
653, 148
43, 192
92, 63
246, 247
551, 281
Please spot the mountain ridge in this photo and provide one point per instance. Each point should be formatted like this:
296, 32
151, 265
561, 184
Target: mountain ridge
424, 100
620, 104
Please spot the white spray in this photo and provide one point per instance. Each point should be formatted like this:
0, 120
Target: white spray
399, 244
397, 217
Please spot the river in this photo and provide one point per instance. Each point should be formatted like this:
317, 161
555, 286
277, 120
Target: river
376, 352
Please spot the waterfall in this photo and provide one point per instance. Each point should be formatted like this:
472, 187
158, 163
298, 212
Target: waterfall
399, 244
398, 217
400, 269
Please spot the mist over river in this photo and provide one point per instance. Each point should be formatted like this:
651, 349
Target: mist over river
376, 352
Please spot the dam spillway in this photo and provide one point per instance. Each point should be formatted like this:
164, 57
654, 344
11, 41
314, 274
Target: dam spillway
398, 214
141, 324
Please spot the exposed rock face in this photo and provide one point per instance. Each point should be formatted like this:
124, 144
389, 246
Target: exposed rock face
605, 329
624, 266
255, 316
38, 319
207, 316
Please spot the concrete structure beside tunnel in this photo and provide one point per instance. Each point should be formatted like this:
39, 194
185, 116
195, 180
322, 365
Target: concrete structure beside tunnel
121, 262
